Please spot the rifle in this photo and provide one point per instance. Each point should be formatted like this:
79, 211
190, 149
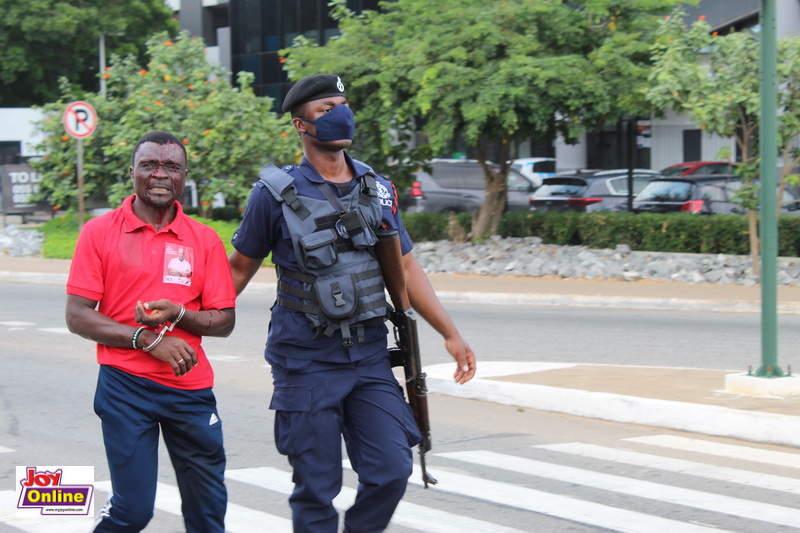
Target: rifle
406, 353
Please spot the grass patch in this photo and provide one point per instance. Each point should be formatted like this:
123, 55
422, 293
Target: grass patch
61, 235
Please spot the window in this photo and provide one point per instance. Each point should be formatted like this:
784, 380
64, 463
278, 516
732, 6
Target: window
517, 182
714, 193
561, 187
666, 191
10, 152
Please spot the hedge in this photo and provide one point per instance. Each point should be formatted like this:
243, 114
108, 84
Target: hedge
673, 232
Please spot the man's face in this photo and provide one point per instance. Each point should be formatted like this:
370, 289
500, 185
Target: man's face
158, 174
314, 110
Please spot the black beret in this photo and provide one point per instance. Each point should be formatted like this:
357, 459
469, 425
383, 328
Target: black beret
313, 88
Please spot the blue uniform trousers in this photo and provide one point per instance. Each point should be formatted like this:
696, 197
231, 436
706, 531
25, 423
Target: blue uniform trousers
132, 409
362, 401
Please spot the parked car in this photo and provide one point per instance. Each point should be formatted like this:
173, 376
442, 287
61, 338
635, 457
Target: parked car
699, 168
535, 168
702, 195
589, 191
457, 185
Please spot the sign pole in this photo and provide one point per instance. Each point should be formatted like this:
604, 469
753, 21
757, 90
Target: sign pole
769, 199
80, 121
80, 184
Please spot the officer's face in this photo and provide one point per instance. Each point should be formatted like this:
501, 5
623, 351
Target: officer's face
315, 109
159, 174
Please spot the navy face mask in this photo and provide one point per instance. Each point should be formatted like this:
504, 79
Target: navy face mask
335, 125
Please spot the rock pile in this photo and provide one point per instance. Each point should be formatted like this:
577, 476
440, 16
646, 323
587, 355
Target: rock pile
16, 242
530, 257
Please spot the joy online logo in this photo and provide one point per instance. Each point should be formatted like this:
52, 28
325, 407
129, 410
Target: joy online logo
44, 490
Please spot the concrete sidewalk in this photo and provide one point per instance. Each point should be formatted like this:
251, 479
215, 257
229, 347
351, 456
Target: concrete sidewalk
695, 400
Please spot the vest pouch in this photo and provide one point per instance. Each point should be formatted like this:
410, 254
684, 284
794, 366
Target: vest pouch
361, 235
337, 296
318, 249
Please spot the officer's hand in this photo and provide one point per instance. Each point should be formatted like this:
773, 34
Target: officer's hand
465, 359
176, 353
152, 314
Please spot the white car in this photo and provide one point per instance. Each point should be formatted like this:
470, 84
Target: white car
535, 168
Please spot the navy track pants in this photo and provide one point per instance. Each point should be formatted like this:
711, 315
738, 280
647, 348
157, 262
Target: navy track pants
132, 410
363, 402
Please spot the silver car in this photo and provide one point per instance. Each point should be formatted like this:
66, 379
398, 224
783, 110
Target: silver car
457, 186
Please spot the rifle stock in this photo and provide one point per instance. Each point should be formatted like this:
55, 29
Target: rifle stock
390, 258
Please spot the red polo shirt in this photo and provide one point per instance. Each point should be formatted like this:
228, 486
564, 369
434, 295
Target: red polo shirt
120, 260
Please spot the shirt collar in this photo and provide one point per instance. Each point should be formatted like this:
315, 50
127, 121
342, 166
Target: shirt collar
359, 169
132, 223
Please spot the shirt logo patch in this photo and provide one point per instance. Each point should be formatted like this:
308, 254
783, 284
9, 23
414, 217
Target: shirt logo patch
385, 196
213, 420
178, 260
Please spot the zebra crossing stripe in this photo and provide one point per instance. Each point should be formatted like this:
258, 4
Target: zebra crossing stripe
722, 450
681, 466
633, 487
556, 505
3, 449
408, 514
238, 518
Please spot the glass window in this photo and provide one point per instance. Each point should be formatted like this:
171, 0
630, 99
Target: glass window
289, 23
674, 171
471, 178
713, 170
272, 34
714, 193
10, 152
250, 27
666, 191
561, 187
308, 19
272, 69
252, 63
517, 182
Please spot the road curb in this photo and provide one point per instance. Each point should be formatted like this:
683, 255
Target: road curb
769, 428
503, 298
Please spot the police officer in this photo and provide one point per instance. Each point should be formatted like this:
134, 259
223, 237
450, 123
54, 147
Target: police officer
327, 342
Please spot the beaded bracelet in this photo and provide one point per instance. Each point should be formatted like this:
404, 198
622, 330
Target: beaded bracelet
166, 329
135, 337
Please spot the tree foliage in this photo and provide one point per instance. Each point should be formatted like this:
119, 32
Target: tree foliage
43, 40
229, 132
715, 79
485, 72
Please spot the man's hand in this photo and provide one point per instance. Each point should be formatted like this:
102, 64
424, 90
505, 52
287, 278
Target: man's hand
151, 314
176, 353
465, 359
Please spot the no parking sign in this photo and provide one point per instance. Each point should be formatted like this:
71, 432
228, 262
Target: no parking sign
80, 119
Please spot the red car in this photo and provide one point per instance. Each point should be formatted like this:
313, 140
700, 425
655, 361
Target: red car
699, 168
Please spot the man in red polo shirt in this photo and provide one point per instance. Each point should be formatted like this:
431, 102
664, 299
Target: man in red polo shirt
147, 323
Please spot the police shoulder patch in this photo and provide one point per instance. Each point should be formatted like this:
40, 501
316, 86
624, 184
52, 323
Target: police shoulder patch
383, 192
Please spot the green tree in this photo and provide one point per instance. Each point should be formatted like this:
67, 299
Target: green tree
486, 72
229, 132
43, 40
715, 79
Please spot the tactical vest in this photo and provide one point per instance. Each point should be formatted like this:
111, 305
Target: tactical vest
341, 284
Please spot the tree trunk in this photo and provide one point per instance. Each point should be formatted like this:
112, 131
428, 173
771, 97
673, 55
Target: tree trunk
492, 209
495, 194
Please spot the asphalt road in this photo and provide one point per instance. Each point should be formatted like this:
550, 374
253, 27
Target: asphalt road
500, 468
